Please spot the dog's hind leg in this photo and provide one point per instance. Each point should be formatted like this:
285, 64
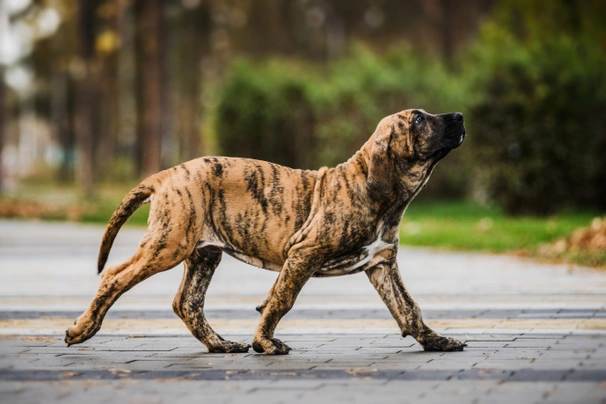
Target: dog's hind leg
189, 301
263, 304
151, 258
387, 281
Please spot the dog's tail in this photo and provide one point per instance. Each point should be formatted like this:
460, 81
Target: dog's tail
137, 197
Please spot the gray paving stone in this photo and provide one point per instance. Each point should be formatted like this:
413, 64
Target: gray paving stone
486, 344
503, 364
443, 365
523, 392
396, 366
587, 374
555, 364
458, 391
567, 354
529, 375
564, 393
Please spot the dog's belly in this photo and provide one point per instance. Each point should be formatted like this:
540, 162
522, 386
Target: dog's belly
360, 260
231, 250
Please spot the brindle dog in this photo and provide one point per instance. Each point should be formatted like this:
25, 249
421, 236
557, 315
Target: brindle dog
300, 223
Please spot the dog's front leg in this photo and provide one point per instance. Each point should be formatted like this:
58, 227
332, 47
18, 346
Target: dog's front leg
387, 281
295, 273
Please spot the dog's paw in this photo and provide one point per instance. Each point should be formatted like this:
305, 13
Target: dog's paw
74, 336
444, 344
80, 332
271, 346
229, 347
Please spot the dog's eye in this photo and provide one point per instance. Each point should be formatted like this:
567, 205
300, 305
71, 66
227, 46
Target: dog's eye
419, 119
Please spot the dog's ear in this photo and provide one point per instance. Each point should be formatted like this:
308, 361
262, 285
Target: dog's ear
380, 165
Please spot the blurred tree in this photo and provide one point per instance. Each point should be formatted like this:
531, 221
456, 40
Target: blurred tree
192, 35
4, 20
2, 124
540, 141
265, 112
62, 117
150, 52
107, 46
322, 30
56, 62
441, 18
86, 81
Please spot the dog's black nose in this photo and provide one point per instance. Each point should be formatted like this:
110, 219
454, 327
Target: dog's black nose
458, 116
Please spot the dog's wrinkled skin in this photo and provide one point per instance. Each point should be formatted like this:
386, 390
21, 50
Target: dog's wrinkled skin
329, 222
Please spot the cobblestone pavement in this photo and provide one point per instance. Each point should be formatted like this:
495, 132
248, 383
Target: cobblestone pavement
535, 332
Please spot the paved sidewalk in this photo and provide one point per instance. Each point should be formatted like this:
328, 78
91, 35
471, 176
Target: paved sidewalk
536, 332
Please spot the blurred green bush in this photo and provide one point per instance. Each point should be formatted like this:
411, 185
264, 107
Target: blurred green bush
264, 112
304, 116
538, 135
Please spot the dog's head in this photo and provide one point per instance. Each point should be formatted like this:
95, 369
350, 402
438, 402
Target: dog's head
407, 145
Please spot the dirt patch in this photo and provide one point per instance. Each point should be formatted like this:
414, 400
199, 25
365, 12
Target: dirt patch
20, 209
587, 244
39, 339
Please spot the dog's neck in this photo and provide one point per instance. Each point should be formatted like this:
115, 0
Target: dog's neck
408, 179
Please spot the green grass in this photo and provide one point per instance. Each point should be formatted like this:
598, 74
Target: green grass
468, 226
104, 207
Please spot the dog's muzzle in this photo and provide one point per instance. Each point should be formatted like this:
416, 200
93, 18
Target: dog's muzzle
455, 129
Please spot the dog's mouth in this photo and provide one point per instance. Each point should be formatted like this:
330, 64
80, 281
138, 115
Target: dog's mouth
461, 138
453, 137
455, 134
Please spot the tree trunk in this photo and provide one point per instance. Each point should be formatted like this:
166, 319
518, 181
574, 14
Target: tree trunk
64, 47
2, 125
149, 43
3, 31
440, 17
447, 31
62, 112
194, 35
85, 95
109, 94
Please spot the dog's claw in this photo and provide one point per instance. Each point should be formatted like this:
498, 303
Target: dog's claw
69, 340
272, 346
65, 339
229, 347
444, 344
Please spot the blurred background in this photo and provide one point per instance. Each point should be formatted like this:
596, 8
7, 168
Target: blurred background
97, 94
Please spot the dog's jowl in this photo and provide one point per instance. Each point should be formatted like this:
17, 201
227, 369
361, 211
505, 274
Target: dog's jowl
300, 223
